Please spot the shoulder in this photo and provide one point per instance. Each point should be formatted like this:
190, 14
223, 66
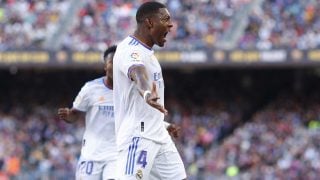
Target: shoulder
129, 45
130, 41
93, 83
132, 55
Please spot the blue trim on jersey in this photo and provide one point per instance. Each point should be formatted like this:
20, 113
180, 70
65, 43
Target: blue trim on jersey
134, 42
128, 159
134, 156
137, 41
131, 156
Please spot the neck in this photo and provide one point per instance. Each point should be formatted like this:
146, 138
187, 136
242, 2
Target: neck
142, 36
108, 82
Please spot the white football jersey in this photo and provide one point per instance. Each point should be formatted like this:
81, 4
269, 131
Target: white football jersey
133, 116
96, 99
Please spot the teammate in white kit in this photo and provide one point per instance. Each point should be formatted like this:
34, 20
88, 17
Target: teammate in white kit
146, 150
98, 153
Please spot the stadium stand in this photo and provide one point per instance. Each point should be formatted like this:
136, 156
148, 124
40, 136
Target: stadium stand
283, 24
199, 24
244, 123
96, 24
241, 125
27, 24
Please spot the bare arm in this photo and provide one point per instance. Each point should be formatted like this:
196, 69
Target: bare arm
69, 115
139, 75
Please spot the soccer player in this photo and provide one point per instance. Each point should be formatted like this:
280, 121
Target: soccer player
146, 150
98, 153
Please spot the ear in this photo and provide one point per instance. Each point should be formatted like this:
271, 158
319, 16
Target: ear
149, 23
105, 67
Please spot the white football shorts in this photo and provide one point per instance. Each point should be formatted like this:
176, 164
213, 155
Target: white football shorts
146, 160
96, 170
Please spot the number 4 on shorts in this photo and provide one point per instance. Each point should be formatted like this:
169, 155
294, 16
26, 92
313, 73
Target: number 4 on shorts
143, 158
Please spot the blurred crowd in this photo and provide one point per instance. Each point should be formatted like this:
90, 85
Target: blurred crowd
283, 24
35, 145
281, 141
97, 24
28, 23
197, 24
225, 133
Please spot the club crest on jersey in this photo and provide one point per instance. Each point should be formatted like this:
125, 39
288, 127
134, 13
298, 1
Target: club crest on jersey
139, 174
101, 98
135, 56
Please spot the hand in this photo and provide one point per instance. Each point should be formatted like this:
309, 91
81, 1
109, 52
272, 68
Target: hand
64, 113
173, 130
152, 99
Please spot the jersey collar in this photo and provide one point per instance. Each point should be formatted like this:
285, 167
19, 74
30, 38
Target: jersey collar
143, 44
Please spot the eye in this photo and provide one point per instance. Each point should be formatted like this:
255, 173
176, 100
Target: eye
165, 19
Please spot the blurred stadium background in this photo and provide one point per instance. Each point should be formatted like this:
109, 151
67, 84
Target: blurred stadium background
242, 80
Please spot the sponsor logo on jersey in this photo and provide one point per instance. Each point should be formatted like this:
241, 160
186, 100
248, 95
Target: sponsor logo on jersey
135, 56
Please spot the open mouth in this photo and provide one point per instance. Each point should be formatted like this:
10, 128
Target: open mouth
165, 34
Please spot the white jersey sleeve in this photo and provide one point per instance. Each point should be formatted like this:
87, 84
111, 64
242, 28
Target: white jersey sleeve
81, 102
134, 58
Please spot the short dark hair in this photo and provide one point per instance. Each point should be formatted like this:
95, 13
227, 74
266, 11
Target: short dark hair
147, 9
111, 49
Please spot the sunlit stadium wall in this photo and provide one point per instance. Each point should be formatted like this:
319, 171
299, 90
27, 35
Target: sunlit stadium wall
201, 58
